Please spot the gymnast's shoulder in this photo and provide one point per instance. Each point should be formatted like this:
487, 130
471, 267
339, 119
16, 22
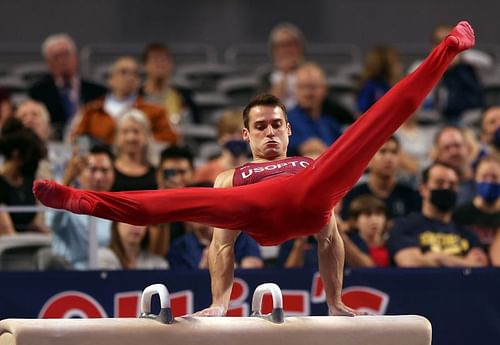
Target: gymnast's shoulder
224, 179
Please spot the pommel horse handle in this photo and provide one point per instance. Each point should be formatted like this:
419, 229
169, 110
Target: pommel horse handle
165, 315
276, 315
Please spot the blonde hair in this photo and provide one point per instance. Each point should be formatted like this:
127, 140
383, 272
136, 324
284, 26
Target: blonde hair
140, 118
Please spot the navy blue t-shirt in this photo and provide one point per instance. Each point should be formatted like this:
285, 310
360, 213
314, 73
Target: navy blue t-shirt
310, 252
186, 251
304, 127
416, 230
402, 201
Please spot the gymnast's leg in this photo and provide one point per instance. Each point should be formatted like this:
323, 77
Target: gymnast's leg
338, 169
323, 184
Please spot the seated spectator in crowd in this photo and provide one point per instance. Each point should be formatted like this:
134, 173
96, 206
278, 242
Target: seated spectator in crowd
34, 115
298, 253
399, 198
490, 132
93, 171
287, 50
190, 251
234, 150
460, 88
22, 150
364, 242
63, 90
175, 170
430, 238
133, 167
157, 89
451, 147
128, 250
416, 144
98, 119
312, 130
381, 71
482, 214
6, 107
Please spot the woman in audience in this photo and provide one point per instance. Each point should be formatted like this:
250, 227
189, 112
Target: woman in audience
365, 241
128, 250
381, 71
133, 168
22, 150
157, 88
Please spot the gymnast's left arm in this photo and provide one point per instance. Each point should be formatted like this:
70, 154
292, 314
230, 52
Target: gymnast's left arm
331, 264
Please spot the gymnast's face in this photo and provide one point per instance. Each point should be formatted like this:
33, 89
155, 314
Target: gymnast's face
267, 133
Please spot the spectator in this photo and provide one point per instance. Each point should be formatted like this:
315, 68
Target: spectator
63, 90
34, 115
451, 147
128, 250
190, 251
399, 198
430, 238
94, 171
460, 89
5, 106
158, 89
234, 148
482, 214
287, 48
416, 144
175, 170
98, 119
313, 131
381, 71
22, 150
365, 241
300, 252
490, 132
133, 167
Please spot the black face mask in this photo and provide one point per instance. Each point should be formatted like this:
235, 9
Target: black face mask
237, 147
444, 199
496, 139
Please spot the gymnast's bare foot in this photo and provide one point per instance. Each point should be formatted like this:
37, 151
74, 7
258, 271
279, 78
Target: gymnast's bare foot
461, 37
54, 195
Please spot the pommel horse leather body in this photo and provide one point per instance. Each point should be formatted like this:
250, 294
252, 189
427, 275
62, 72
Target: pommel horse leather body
258, 329
311, 330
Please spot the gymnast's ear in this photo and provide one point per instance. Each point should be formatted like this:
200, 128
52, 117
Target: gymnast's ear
289, 128
245, 134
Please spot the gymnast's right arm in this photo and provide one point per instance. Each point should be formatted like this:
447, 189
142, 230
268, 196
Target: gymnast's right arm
221, 260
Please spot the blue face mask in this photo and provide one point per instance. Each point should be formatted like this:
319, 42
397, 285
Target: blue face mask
237, 147
488, 191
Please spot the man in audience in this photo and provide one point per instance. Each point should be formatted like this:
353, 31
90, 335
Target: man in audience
98, 119
190, 251
287, 49
234, 150
158, 64
313, 131
175, 170
63, 91
71, 231
430, 238
482, 214
399, 198
451, 147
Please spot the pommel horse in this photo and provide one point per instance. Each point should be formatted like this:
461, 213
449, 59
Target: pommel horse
273, 328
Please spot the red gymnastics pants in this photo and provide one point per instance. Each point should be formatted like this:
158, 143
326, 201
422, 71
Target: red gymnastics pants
275, 210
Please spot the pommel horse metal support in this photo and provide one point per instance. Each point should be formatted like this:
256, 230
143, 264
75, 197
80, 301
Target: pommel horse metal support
163, 329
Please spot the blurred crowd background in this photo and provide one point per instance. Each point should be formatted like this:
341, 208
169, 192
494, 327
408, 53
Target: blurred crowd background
154, 110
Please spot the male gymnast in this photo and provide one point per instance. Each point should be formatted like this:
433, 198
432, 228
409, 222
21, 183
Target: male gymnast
274, 198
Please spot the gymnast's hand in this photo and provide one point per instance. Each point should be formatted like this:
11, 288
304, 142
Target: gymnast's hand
211, 311
340, 309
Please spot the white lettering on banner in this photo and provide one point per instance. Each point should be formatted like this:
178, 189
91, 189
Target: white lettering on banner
295, 302
246, 174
